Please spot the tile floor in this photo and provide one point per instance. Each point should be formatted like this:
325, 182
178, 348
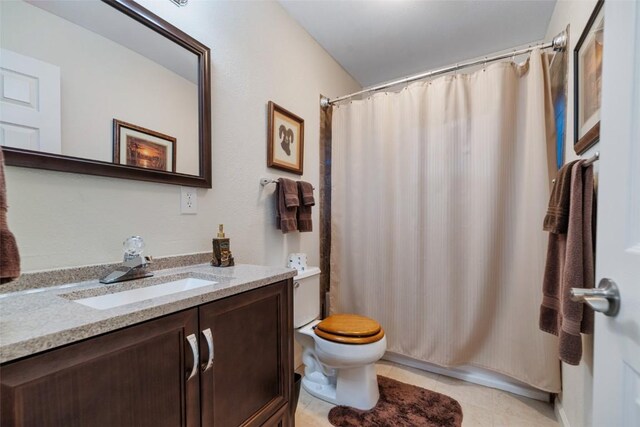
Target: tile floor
481, 406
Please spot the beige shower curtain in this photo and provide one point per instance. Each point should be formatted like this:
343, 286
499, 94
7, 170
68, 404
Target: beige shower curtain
438, 197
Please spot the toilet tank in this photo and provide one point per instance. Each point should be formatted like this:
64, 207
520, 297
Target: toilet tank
306, 296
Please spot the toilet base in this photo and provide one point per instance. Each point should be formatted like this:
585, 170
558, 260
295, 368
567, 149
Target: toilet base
355, 387
326, 392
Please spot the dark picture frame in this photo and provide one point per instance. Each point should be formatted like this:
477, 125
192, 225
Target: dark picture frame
57, 162
587, 101
285, 140
144, 148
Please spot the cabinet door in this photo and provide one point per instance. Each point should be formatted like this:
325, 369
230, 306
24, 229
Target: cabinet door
279, 419
250, 378
136, 376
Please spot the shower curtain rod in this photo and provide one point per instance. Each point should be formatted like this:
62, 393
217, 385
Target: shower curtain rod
558, 43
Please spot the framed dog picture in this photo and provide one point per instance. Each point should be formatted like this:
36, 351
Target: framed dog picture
588, 81
144, 148
285, 141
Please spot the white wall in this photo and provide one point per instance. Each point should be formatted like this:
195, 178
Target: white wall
575, 401
95, 90
258, 54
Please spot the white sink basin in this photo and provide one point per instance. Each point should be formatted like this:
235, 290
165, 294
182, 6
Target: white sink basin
104, 302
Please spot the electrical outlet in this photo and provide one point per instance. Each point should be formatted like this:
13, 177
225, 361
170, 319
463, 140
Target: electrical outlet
188, 200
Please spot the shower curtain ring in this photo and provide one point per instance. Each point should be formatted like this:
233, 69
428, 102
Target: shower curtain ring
484, 64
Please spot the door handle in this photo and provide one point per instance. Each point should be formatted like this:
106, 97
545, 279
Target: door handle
208, 336
604, 299
193, 342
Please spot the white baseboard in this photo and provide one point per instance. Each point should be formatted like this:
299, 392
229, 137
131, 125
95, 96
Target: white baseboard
474, 375
561, 415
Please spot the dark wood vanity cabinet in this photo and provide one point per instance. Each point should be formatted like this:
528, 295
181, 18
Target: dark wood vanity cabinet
250, 378
140, 376
133, 377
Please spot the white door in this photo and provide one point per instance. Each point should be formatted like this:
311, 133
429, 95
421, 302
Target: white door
29, 103
616, 397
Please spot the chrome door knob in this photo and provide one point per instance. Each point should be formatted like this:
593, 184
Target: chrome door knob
604, 299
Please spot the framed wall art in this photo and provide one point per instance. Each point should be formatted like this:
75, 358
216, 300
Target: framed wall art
144, 148
587, 63
285, 140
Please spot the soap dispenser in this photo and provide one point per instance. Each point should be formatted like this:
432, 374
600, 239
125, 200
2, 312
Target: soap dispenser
221, 250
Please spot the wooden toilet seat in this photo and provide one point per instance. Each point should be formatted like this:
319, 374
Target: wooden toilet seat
349, 329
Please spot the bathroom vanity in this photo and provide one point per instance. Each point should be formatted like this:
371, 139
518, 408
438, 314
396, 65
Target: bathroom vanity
224, 357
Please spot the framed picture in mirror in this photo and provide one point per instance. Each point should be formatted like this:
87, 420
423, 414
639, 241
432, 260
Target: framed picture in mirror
588, 81
285, 140
144, 148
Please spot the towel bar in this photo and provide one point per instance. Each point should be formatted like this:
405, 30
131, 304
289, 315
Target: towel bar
592, 160
265, 181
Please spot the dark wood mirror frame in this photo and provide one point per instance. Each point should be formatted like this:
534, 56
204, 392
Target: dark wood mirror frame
58, 162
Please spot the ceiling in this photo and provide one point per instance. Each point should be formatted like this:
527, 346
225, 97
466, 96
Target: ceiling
380, 40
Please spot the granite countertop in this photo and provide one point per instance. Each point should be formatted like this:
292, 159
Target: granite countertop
35, 320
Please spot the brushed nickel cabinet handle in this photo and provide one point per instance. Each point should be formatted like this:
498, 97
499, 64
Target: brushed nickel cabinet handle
209, 337
193, 342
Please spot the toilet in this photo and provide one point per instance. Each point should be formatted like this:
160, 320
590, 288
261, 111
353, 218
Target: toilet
339, 352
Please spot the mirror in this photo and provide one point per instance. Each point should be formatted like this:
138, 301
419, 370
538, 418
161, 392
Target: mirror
104, 88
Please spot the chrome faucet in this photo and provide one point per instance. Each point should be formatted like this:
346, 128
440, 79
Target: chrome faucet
135, 266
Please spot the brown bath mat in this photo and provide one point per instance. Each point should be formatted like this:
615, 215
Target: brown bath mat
401, 405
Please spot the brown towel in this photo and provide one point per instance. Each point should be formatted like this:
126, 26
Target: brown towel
9, 255
304, 211
287, 205
557, 218
570, 264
